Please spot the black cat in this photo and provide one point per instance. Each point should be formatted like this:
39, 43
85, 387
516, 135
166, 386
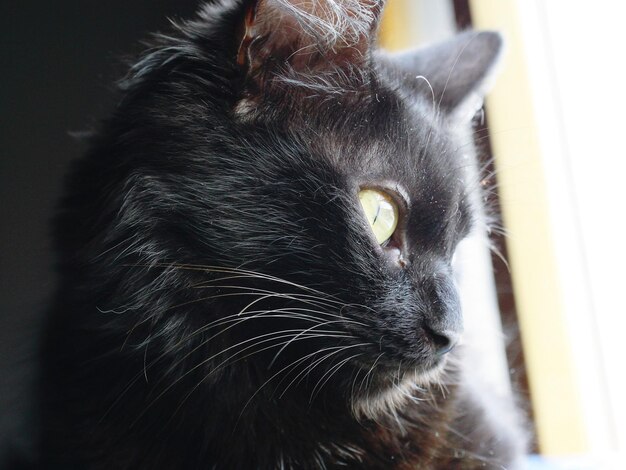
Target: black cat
255, 256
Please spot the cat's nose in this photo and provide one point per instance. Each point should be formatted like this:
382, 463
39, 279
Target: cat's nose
443, 341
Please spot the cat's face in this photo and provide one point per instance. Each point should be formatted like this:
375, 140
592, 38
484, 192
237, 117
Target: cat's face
267, 165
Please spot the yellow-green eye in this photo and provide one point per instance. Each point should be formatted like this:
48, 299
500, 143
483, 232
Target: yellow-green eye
381, 212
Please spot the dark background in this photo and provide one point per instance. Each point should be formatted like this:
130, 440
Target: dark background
58, 63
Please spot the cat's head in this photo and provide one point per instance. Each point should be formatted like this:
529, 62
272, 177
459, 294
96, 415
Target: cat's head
299, 192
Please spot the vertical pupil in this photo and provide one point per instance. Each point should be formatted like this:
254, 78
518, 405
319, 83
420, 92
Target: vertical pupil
377, 213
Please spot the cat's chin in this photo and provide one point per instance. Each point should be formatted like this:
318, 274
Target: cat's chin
391, 390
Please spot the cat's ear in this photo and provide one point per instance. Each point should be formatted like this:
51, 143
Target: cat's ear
456, 73
309, 36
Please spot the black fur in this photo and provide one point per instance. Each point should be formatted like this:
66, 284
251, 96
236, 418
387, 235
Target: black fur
215, 226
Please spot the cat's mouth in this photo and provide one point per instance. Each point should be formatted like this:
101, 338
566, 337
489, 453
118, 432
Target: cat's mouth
421, 360
382, 375
390, 371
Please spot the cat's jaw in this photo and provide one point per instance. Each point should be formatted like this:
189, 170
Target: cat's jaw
397, 391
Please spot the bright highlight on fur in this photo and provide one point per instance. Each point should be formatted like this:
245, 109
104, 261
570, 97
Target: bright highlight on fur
332, 22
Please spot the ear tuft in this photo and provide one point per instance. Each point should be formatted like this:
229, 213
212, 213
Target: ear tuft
332, 23
306, 35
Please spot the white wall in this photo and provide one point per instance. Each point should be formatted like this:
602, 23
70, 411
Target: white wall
577, 63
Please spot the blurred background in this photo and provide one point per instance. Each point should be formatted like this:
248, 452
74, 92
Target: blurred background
551, 319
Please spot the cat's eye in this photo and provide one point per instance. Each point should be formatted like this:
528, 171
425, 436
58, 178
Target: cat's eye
381, 212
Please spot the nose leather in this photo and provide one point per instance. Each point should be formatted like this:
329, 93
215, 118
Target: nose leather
443, 341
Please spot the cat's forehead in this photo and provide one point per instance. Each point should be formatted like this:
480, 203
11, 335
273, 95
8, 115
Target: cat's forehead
381, 133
